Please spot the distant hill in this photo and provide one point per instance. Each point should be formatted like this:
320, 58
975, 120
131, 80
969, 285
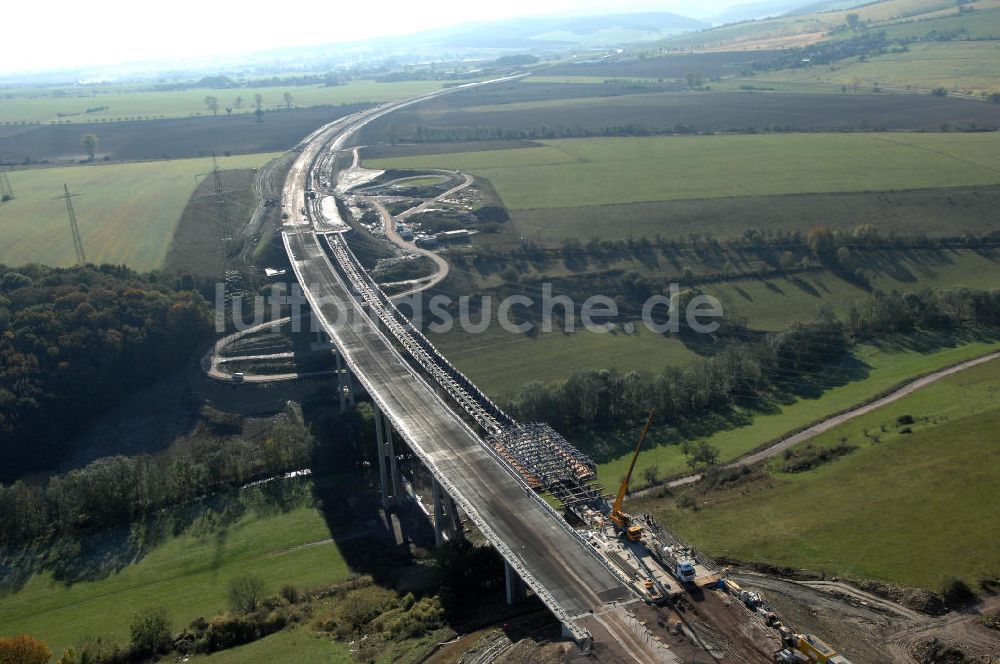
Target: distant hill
533, 32
759, 9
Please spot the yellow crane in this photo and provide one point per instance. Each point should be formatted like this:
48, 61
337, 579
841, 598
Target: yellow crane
618, 517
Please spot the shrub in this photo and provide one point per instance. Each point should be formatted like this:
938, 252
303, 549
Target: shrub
492, 214
245, 593
23, 649
151, 632
291, 594
359, 607
422, 616
687, 501
229, 631
904, 420
810, 456
957, 592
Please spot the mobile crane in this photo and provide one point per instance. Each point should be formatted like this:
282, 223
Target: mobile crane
621, 519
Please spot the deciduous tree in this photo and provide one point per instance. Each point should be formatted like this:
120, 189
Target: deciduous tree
89, 143
23, 649
212, 103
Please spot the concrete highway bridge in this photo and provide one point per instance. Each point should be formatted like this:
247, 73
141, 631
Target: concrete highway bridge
481, 460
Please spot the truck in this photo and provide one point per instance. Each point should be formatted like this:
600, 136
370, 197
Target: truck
680, 563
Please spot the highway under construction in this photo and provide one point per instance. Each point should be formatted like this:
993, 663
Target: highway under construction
624, 588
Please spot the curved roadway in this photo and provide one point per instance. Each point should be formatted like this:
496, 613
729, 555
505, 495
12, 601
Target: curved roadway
551, 557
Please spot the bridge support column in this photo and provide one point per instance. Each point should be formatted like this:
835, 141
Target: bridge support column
436, 496
445, 515
385, 488
390, 486
517, 592
350, 386
340, 383
396, 486
454, 527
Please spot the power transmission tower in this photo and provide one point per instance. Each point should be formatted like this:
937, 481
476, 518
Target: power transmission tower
81, 256
229, 263
6, 193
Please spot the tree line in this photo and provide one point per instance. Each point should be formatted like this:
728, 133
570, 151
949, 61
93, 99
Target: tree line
118, 490
73, 341
749, 372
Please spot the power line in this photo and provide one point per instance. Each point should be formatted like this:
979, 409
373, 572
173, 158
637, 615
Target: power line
81, 256
230, 269
6, 192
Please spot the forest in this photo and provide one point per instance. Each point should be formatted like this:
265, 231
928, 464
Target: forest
73, 341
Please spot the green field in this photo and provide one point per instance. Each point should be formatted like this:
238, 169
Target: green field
604, 171
127, 213
124, 102
886, 368
501, 363
912, 509
291, 646
776, 303
187, 575
959, 66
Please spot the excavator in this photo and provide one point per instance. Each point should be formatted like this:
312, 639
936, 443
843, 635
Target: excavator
621, 519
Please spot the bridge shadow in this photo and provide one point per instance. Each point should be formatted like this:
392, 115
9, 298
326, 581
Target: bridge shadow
96, 555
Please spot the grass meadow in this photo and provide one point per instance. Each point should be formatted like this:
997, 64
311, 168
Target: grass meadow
605, 171
295, 645
29, 105
885, 367
912, 509
127, 213
187, 574
966, 66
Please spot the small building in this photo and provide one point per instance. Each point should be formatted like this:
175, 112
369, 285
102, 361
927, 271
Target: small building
459, 235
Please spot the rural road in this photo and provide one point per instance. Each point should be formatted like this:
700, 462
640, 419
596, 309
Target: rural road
389, 225
831, 422
466, 181
213, 358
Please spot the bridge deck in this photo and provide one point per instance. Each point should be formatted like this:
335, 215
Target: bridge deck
559, 562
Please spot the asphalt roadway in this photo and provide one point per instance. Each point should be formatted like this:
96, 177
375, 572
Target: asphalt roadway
558, 560
560, 566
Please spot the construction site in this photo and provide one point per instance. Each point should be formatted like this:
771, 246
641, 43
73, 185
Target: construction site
679, 605
623, 587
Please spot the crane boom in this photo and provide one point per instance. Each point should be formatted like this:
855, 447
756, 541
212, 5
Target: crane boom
617, 507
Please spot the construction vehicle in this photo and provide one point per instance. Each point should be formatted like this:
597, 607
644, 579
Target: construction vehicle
622, 520
814, 649
680, 562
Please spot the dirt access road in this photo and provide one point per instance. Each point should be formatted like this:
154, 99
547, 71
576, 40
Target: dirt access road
389, 225
831, 422
868, 628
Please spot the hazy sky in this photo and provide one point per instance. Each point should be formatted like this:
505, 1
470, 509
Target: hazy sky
45, 34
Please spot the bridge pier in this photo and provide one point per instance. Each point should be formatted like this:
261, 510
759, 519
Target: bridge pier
340, 383
445, 514
345, 384
517, 591
388, 472
438, 513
